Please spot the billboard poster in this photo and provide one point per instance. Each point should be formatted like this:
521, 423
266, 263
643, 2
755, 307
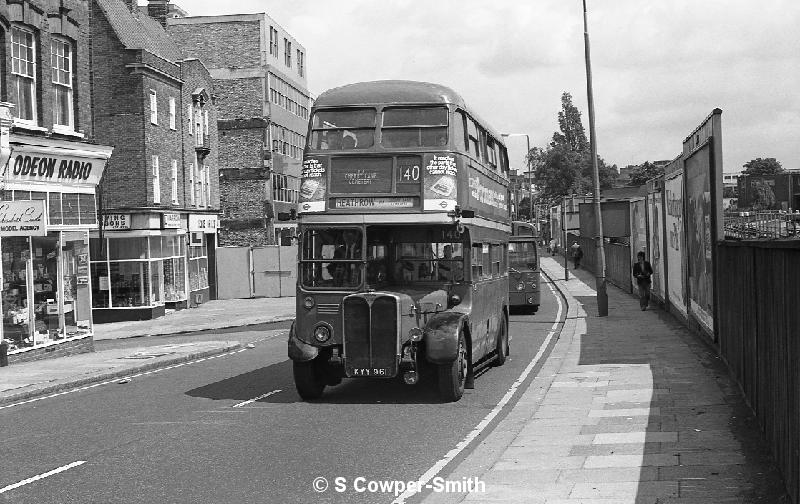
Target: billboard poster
656, 218
673, 187
440, 191
313, 186
699, 235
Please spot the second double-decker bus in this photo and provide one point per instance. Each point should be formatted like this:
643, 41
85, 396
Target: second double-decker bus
523, 267
403, 225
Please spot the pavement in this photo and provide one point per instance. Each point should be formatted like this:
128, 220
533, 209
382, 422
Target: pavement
21, 381
628, 409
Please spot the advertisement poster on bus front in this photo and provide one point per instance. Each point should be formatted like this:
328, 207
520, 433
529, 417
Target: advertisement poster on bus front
487, 197
673, 186
313, 186
440, 191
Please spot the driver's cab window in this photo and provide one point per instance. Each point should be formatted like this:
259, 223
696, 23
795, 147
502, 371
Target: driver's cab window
332, 257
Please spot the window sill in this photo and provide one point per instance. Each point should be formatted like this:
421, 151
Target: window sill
68, 132
29, 126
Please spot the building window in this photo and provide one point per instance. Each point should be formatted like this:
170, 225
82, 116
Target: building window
174, 182
205, 123
300, 63
207, 188
190, 115
156, 181
153, 107
273, 41
171, 113
285, 188
191, 184
287, 52
61, 63
23, 70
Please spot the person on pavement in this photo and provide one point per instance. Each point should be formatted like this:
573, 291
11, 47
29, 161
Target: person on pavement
642, 271
577, 255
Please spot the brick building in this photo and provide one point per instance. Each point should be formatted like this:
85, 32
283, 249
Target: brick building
160, 197
52, 164
263, 119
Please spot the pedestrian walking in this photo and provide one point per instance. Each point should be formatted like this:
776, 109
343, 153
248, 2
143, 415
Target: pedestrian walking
577, 255
642, 271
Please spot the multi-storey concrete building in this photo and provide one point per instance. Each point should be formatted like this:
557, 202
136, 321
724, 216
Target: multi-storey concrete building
160, 198
263, 119
52, 164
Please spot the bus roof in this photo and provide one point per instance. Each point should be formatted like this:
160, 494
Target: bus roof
397, 92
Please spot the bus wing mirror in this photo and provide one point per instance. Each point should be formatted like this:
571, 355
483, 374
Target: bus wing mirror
467, 214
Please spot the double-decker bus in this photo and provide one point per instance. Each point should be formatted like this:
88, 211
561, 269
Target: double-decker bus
403, 223
523, 267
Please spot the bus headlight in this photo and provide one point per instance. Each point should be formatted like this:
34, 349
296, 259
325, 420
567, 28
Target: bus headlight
322, 333
520, 286
415, 334
308, 302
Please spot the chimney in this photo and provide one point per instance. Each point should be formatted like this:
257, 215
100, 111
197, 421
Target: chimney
157, 9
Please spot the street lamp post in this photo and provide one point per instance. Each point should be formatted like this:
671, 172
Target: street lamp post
528, 164
600, 279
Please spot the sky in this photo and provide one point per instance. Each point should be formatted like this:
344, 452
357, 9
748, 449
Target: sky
658, 68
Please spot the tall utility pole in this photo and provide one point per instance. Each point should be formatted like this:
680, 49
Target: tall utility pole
600, 279
528, 164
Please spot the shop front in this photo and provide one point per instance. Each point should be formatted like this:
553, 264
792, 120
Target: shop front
47, 210
202, 257
139, 266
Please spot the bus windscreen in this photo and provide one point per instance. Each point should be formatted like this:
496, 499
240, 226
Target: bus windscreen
522, 255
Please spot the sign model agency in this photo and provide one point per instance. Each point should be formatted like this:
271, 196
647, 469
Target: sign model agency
22, 218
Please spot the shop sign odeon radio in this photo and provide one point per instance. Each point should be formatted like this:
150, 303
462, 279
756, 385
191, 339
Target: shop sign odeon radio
42, 164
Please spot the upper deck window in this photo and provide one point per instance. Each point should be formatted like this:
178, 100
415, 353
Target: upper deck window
414, 127
343, 129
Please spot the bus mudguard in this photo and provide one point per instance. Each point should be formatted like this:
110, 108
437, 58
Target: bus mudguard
441, 336
298, 350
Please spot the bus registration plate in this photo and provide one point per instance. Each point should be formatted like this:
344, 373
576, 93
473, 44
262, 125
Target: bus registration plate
369, 372
374, 202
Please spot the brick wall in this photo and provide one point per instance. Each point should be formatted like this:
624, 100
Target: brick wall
61, 350
46, 20
243, 196
197, 39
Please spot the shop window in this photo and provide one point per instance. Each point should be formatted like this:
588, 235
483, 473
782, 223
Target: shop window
23, 72
61, 67
198, 265
87, 209
54, 209
70, 209
16, 311
130, 284
127, 248
101, 293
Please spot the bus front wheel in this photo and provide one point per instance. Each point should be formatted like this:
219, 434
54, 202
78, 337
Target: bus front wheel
308, 379
453, 375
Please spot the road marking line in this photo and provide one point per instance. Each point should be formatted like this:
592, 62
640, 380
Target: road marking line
250, 401
464, 443
41, 476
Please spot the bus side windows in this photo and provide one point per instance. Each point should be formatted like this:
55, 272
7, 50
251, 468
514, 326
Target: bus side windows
461, 140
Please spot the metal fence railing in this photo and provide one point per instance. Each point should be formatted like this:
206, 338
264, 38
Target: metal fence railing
762, 225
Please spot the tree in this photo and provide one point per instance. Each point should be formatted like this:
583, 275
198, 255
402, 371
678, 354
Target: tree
763, 197
565, 166
644, 172
758, 166
572, 134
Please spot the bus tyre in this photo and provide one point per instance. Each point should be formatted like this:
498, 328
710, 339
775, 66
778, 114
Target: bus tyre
453, 375
501, 349
308, 380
